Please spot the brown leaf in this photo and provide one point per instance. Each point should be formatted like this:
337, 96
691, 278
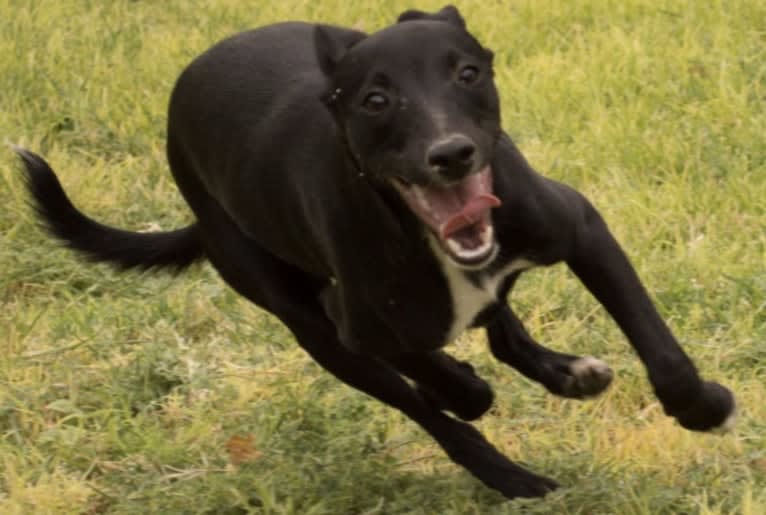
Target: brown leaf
760, 464
241, 449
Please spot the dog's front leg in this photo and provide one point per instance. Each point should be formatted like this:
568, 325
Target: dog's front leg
599, 262
562, 374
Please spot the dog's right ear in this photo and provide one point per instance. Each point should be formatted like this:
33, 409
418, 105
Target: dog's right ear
332, 45
448, 14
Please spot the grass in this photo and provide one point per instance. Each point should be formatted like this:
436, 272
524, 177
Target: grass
152, 394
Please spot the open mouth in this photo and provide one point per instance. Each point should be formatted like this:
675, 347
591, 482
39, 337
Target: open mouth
458, 215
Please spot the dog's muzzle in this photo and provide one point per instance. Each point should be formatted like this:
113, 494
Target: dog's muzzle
458, 214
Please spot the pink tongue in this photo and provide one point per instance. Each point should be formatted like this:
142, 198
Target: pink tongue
471, 213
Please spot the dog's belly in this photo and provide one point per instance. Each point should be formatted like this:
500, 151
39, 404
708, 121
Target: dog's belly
469, 297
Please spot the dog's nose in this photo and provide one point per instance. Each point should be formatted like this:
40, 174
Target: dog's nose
452, 157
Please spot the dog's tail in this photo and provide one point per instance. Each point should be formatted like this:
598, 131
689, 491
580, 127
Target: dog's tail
172, 250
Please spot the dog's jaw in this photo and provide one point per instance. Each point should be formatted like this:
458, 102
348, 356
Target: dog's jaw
478, 256
458, 215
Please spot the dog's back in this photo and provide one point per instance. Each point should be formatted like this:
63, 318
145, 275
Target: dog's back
258, 91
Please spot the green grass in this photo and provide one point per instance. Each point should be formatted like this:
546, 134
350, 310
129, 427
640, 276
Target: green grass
118, 393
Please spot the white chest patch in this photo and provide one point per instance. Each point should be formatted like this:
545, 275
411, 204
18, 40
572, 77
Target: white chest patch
469, 298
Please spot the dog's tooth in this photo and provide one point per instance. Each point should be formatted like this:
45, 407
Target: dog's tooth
481, 250
454, 246
464, 253
487, 234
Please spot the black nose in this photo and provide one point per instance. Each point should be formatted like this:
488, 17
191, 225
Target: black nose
452, 157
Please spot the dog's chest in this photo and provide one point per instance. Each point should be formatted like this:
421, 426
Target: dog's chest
469, 297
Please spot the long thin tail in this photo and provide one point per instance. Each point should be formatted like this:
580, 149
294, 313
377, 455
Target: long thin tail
173, 250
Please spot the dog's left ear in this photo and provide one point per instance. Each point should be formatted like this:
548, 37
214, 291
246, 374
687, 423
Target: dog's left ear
331, 46
450, 14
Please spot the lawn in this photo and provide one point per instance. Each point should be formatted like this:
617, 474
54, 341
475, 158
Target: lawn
139, 393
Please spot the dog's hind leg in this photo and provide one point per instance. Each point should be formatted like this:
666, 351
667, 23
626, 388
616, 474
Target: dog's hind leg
562, 374
292, 296
462, 442
446, 383
279, 288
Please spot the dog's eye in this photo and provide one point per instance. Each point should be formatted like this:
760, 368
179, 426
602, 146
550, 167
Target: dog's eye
468, 75
375, 103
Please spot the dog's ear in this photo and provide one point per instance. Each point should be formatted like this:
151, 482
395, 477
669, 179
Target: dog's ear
332, 45
449, 14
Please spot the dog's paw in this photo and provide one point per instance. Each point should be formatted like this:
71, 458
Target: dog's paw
582, 378
514, 481
727, 424
714, 410
466, 446
470, 403
516, 487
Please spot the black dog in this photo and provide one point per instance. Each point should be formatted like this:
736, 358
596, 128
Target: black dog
361, 189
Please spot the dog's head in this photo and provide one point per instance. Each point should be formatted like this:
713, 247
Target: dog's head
419, 112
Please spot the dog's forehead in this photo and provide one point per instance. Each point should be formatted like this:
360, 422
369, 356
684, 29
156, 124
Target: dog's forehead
414, 41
